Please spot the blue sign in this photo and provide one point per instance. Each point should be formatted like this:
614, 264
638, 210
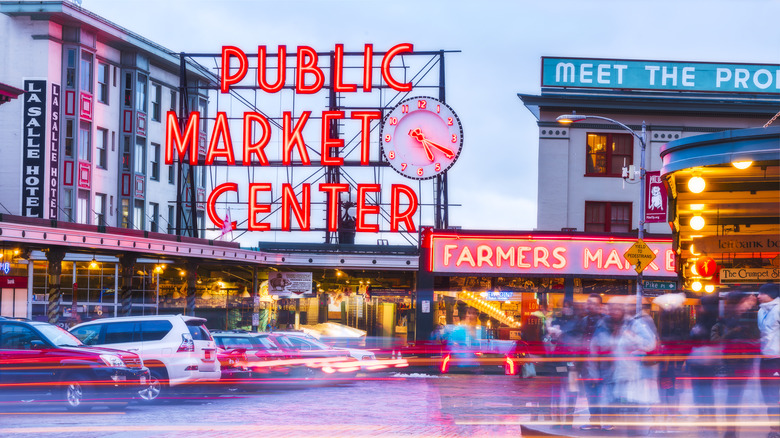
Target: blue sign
5, 267
660, 75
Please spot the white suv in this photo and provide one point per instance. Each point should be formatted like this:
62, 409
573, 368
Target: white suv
177, 349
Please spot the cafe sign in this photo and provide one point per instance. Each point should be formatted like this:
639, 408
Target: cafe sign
748, 275
737, 244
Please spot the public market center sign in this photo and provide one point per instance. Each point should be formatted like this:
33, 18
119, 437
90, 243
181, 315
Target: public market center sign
308, 78
660, 75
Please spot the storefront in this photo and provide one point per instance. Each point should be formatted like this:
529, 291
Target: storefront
724, 190
510, 276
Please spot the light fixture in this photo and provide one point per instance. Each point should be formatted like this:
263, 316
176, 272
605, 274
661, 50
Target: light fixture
693, 251
709, 288
93, 264
697, 207
206, 295
741, 164
182, 273
568, 119
696, 286
17, 251
696, 184
697, 222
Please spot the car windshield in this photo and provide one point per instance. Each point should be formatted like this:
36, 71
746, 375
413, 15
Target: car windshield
266, 342
58, 336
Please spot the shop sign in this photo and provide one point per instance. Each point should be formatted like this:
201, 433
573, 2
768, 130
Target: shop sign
295, 138
12, 282
54, 151
544, 255
33, 147
498, 296
748, 275
5, 267
290, 284
737, 244
655, 194
659, 285
660, 75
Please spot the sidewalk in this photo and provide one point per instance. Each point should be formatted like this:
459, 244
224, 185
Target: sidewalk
684, 421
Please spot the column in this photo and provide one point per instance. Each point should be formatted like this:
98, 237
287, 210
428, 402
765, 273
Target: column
192, 278
127, 265
54, 257
424, 300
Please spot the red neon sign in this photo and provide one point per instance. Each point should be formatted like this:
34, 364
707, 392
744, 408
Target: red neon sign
544, 254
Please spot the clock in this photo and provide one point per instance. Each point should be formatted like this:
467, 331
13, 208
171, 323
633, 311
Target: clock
421, 137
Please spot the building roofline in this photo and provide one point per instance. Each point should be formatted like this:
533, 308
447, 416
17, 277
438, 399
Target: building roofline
8, 92
65, 12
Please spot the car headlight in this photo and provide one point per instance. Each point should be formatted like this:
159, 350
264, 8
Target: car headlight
112, 360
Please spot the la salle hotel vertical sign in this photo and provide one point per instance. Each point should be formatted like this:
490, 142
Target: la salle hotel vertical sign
33, 147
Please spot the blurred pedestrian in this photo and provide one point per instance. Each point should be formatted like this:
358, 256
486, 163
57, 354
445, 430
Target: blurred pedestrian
769, 368
565, 343
738, 334
704, 359
588, 374
673, 335
604, 349
636, 374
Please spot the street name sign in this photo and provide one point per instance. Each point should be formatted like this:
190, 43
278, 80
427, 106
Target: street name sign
639, 255
660, 285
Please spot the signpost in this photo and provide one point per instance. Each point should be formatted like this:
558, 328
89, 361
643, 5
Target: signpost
640, 255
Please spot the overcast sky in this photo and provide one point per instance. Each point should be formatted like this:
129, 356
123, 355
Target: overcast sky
501, 43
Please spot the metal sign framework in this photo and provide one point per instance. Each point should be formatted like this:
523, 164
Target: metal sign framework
424, 69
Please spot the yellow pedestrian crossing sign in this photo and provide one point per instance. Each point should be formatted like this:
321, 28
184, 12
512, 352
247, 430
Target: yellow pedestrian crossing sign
639, 255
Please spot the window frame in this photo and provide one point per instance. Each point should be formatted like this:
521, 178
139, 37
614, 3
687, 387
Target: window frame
103, 88
608, 224
608, 154
101, 161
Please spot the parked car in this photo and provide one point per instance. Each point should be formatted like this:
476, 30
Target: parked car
303, 340
315, 354
262, 358
41, 360
177, 349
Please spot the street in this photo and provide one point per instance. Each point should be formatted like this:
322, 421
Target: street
408, 404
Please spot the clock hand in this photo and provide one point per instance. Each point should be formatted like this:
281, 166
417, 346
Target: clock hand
447, 152
418, 135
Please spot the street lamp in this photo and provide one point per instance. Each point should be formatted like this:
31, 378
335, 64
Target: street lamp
568, 119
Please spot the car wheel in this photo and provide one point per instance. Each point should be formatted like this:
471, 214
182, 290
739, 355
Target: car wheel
75, 393
154, 389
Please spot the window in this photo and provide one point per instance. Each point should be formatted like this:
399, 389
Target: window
125, 213
156, 100
100, 148
138, 215
171, 222
120, 332
104, 74
606, 154
202, 174
155, 162
84, 142
70, 137
100, 209
18, 337
608, 217
198, 332
155, 330
70, 71
140, 93
126, 154
171, 174
67, 204
86, 72
174, 107
154, 226
202, 109
88, 334
83, 213
128, 90
140, 152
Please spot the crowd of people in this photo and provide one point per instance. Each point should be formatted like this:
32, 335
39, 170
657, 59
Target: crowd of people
628, 363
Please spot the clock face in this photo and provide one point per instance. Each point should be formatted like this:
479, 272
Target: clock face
421, 137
